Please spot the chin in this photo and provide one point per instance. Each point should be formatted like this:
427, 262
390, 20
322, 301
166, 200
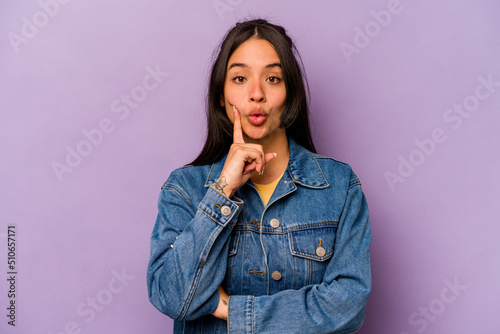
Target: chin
253, 132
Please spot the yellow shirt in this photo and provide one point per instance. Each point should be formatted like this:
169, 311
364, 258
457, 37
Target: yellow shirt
267, 190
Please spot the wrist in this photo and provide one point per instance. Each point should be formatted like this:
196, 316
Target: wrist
222, 309
228, 192
222, 186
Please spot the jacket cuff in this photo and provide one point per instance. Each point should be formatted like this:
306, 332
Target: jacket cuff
240, 313
218, 207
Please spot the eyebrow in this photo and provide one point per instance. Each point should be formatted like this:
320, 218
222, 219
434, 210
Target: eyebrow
246, 66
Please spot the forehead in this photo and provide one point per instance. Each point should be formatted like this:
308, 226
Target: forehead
254, 52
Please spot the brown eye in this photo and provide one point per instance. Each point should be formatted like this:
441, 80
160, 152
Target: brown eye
239, 79
274, 80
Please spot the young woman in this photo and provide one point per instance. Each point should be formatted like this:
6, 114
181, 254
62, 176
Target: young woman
260, 234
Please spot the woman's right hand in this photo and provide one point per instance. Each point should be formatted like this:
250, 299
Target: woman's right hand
242, 160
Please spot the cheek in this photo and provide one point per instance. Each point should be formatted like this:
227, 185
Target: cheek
234, 97
279, 95
279, 101
229, 113
234, 94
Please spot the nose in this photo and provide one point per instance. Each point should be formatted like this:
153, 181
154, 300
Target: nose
257, 93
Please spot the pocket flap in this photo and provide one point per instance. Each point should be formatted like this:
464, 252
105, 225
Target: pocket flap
315, 242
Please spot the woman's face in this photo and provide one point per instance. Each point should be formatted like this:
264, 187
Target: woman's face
254, 85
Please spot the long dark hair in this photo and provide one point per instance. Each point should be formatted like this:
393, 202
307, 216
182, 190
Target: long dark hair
295, 115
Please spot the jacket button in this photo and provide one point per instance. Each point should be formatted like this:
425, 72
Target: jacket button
225, 210
275, 223
320, 251
276, 275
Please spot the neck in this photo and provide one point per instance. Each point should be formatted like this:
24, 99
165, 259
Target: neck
273, 169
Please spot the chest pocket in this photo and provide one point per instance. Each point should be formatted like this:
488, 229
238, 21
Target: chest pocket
312, 247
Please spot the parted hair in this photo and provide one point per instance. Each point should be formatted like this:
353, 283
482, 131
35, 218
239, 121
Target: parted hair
295, 117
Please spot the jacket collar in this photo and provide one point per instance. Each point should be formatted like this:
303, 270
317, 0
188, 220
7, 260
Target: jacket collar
302, 167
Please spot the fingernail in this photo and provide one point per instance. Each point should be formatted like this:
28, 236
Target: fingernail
275, 154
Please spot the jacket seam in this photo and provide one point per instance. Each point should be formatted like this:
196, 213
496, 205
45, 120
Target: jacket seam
353, 183
199, 269
320, 170
215, 219
287, 230
251, 315
177, 190
319, 156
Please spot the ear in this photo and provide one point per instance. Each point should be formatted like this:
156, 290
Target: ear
222, 103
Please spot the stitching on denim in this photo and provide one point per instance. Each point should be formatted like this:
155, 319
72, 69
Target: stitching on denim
243, 264
177, 190
284, 261
186, 304
234, 242
311, 256
213, 236
197, 277
230, 274
269, 230
309, 185
345, 201
331, 224
195, 282
215, 219
354, 183
324, 178
319, 156
307, 255
251, 316
283, 195
308, 271
290, 173
232, 261
208, 176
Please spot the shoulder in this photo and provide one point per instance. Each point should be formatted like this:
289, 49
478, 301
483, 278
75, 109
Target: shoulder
320, 171
334, 169
188, 176
186, 184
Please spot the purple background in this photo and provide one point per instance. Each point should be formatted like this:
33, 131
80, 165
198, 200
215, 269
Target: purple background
439, 227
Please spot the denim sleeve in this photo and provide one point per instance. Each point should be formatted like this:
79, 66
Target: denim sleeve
189, 252
337, 305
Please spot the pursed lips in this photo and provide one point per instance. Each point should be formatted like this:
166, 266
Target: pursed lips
257, 117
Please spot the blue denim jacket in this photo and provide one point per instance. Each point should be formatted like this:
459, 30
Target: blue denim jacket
301, 264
